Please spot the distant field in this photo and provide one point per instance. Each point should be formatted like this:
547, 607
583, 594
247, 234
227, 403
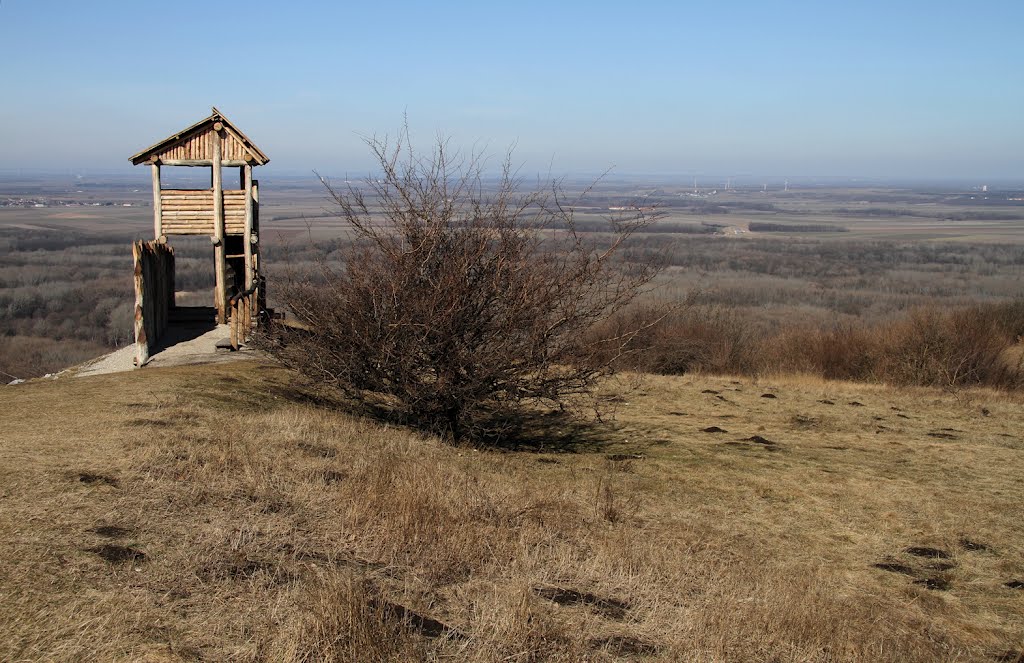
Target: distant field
65, 288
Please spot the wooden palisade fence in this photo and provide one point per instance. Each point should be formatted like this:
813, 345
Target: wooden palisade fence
154, 294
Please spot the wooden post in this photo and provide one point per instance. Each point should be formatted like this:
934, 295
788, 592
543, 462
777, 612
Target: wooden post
247, 239
141, 342
158, 219
259, 298
247, 313
233, 326
218, 227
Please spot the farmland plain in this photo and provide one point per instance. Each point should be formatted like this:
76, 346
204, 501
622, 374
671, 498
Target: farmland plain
820, 255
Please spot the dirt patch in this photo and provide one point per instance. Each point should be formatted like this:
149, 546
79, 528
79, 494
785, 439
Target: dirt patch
974, 546
937, 584
894, 567
606, 607
245, 568
804, 421
111, 531
248, 568
116, 554
921, 551
316, 450
624, 645
100, 479
757, 439
317, 557
713, 429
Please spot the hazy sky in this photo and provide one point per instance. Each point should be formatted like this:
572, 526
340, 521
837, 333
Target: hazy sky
906, 89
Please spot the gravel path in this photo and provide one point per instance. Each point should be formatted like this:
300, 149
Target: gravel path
178, 349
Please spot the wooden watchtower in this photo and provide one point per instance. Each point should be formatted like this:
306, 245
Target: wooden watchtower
229, 216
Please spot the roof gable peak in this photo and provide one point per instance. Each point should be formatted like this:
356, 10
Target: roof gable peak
185, 136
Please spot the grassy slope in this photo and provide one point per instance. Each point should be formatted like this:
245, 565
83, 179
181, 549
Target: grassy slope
276, 530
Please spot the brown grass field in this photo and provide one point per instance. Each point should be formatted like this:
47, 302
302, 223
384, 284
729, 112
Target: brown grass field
213, 513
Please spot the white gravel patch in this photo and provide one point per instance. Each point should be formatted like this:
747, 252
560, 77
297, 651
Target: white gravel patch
199, 350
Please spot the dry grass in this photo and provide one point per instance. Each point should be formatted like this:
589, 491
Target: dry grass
206, 513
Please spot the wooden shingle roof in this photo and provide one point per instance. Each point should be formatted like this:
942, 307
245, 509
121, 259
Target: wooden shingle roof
194, 145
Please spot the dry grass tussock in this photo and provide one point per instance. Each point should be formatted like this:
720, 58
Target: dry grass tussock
208, 513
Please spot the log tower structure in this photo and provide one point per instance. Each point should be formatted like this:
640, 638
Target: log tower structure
228, 216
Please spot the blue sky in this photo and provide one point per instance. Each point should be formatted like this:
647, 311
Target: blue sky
899, 89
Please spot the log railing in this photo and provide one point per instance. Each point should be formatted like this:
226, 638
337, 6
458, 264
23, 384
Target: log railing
241, 320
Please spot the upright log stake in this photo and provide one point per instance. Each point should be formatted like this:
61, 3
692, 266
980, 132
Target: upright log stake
247, 239
141, 342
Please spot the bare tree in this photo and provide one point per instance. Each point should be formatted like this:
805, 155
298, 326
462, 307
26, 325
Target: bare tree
459, 298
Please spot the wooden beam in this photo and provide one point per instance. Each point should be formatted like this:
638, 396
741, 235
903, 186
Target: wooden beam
247, 235
227, 163
157, 203
220, 265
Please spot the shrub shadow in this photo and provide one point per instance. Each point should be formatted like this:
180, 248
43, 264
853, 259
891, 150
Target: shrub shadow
543, 432
530, 431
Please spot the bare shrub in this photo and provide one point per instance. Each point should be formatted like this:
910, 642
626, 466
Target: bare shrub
673, 339
844, 352
946, 349
929, 346
458, 300
34, 356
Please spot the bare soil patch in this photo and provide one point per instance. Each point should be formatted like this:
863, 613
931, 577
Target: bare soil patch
117, 554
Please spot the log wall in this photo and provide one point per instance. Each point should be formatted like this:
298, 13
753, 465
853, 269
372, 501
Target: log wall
154, 294
186, 212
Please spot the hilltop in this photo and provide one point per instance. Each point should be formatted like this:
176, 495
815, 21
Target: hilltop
220, 512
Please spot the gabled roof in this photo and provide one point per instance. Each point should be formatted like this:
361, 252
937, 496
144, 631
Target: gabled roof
204, 126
